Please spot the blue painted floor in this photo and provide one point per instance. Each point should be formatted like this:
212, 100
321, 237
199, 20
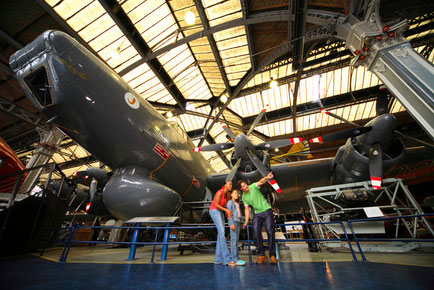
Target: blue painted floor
33, 272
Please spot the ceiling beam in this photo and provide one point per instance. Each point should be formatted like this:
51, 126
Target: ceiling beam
245, 10
297, 38
127, 27
177, 111
10, 40
360, 96
212, 43
21, 113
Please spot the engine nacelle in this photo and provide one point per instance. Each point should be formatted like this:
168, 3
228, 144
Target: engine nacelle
130, 193
247, 169
353, 166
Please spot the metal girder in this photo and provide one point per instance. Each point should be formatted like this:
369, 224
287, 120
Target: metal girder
179, 111
294, 100
297, 38
278, 52
245, 10
13, 109
10, 40
333, 102
6, 69
212, 43
313, 16
127, 27
192, 54
49, 141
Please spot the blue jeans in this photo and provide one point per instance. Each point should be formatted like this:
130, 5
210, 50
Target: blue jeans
258, 220
221, 250
235, 234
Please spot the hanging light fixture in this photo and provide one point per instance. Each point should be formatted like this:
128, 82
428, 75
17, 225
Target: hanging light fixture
273, 83
189, 107
169, 114
224, 98
189, 18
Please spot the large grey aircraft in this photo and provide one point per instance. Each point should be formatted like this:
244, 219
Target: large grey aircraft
154, 164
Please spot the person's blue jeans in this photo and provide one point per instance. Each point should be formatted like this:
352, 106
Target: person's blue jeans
258, 220
221, 251
235, 234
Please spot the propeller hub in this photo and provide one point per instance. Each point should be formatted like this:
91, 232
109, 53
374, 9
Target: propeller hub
242, 143
382, 130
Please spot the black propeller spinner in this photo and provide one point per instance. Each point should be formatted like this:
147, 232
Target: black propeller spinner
245, 150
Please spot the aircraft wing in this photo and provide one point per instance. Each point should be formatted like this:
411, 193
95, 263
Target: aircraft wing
416, 167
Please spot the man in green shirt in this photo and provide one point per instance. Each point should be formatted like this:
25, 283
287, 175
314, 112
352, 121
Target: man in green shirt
253, 197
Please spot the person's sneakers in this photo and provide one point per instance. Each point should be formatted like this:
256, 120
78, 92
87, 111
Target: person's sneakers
240, 263
231, 264
273, 260
261, 259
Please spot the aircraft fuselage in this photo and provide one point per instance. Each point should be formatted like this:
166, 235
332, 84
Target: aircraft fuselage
97, 109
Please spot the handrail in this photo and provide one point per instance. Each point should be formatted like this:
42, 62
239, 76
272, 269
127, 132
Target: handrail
38, 167
75, 228
356, 239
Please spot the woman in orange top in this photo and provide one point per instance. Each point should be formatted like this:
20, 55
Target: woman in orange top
216, 210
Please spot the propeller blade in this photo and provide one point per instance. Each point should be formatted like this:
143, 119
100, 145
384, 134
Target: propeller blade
92, 190
337, 117
376, 165
233, 171
214, 147
228, 131
257, 120
339, 135
263, 170
278, 143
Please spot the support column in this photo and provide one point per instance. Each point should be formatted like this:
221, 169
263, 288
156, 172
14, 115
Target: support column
410, 78
45, 149
384, 50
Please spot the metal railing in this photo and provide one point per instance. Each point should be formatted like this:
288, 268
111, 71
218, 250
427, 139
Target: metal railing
71, 238
74, 229
356, 239
20, 178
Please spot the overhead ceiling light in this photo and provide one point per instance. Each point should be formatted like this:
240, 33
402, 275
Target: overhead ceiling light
189, 107
169, 114
190, 18
273, 83
224, 98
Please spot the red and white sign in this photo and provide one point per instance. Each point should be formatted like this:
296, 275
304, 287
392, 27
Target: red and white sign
160, 151
196, 182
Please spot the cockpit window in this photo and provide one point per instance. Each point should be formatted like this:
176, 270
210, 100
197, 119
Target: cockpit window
37, 82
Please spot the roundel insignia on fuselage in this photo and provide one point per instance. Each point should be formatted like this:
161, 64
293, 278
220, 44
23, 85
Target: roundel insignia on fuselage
132, 100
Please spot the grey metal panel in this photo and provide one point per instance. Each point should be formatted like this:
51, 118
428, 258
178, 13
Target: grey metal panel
410, 78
